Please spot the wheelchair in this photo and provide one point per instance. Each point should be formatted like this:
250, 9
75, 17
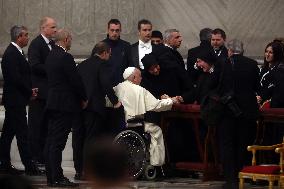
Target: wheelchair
136, 144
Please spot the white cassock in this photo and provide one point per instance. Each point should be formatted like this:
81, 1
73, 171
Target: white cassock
136, 101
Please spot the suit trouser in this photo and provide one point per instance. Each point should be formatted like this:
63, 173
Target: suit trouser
115, 120
78, 137
235, 134
59, 126
94, 125
15, 124
37, 128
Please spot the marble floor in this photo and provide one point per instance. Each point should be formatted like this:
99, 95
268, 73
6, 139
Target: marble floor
39, 182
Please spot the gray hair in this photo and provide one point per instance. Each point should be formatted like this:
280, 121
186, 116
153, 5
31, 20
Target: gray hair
61, 34
16, 31
205, 34
168, 33
43, 22
236, 46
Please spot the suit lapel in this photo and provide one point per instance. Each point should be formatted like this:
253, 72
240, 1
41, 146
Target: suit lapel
47, 49
18, 52
135, 55
23, 64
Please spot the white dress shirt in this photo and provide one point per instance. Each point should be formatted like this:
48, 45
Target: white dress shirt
18, 47
47, 41
143, 49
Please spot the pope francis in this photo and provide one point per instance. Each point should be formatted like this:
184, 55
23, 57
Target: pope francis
136, 101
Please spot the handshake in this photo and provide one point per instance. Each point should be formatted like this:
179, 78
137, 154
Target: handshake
176, 99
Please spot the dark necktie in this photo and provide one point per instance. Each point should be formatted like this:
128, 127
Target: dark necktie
51, 43
232, 62
24, 54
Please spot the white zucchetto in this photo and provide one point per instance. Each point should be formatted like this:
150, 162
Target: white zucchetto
127, 72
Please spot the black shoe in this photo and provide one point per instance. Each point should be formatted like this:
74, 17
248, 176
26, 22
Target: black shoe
10, 169
38, 164
63, 182
33, 170
79, 176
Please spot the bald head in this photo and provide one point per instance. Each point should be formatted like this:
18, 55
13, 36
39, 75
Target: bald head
63, 38
48, 27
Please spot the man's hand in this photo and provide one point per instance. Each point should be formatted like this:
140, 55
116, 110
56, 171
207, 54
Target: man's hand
84, 104
117, 105
34, 93
259, 99
175, 100
164, 96
180, 99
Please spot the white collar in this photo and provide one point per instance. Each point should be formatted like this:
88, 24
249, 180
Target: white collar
18, 47
62, 47
147, 44
45, 39
168, 46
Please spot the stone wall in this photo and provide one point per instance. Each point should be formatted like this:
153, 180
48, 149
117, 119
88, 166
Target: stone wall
256, 22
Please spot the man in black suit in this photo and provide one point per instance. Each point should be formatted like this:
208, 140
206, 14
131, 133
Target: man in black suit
37, 53
241, 133
167, 54
17, 91
143, 46
94, 72
218, 39
172, 41
192, 70
66, 97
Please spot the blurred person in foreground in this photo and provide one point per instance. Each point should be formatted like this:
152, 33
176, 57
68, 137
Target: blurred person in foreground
15, 182
106, 164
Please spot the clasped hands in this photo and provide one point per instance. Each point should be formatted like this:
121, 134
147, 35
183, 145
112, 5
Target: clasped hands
176, 99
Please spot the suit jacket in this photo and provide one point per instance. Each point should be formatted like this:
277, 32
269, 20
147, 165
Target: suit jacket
134, 52
17, 80
246, 79
97, 83
168, 57
178, 57
37, 53
66, 89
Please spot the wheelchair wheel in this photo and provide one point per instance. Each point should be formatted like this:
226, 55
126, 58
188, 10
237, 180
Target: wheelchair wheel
136, 150
150, 172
